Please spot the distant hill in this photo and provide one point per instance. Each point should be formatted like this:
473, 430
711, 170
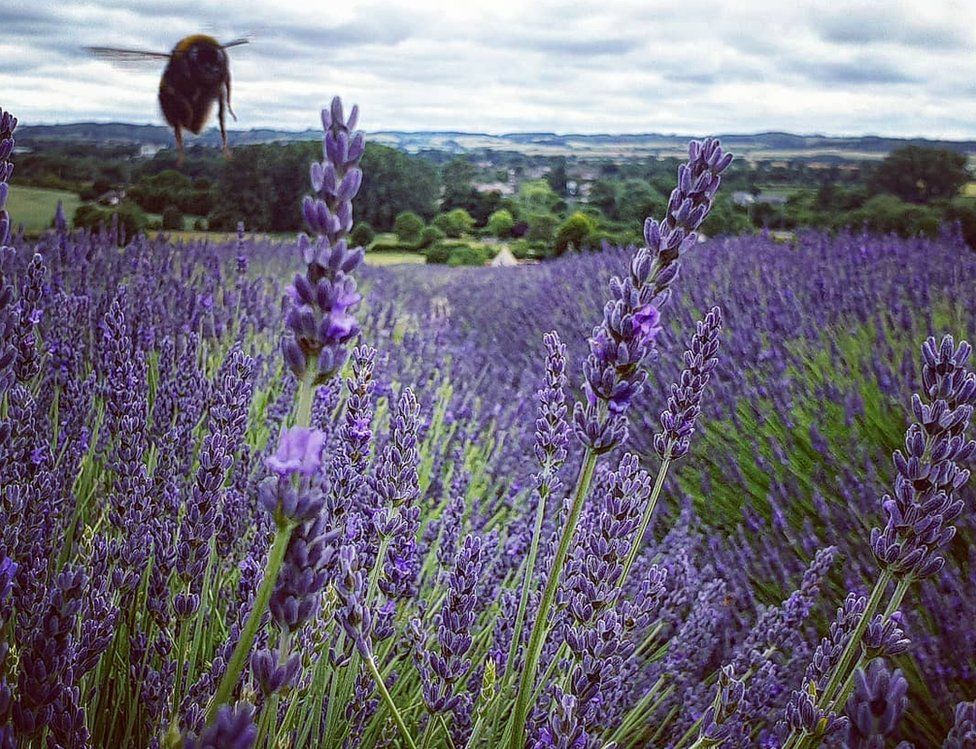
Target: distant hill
758, 146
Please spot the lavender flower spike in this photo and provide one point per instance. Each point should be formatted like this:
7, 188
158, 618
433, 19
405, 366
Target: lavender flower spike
624, 341
716, 724
321, 319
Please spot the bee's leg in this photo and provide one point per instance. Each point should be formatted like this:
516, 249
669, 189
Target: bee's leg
181, 155
223, 126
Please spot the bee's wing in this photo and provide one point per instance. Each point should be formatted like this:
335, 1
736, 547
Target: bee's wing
114, 54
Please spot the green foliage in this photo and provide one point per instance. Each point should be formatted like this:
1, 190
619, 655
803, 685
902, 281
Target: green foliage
408, 226
169, 187
172, 218
263, 186
464, 254
541, 227
726, 218
963, 211
523, 249
557, 176
537, 196
574, 233
920, 175
886, 213
438, 252
362, 234
455, 223
394, 182
131, 219
429, 236
501, 223
636, 200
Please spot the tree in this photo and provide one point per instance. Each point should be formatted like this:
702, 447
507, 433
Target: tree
537, 196
541, 227
172, 218
921, 175
637, 200
888, 214
455, 223
394, 182
457, 175
408, 226
362, 234
557, 176
501, 223
603, 196
574, 232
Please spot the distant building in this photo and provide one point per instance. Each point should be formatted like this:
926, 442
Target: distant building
148, 150
503, 188
112, 197
743, 199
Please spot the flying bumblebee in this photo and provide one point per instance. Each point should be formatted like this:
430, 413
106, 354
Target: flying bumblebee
197, 74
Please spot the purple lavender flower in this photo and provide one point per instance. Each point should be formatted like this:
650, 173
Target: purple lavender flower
299, 452
963, 732
233, 729
298, 590
716, 724
271, 674
624, 341
684, 404
921, 513
320, 318
876, 706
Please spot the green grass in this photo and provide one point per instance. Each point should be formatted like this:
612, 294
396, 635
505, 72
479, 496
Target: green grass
34, 207
394, 258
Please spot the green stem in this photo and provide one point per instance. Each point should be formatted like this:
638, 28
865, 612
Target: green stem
540, 514
541, 625
891, 608
638, 541
231, 676
306, 394
398, 719
839, 674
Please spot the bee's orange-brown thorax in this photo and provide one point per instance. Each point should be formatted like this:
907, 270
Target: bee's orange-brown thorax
188, 41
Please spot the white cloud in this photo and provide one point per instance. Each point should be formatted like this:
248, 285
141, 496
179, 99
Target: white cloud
702, 66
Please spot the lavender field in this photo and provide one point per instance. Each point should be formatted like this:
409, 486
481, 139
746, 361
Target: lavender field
261, 494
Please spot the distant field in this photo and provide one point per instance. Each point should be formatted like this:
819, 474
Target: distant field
969, 190
34, 207
394, 258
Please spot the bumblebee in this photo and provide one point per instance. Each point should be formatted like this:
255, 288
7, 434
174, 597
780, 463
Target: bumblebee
197, 74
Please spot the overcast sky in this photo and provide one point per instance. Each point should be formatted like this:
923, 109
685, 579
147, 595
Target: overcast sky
696, 67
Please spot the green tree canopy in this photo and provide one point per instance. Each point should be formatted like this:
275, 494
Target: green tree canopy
921, 175
501, 223
574, 232
408, 226
455, 223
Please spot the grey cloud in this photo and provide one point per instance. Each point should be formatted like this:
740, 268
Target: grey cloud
891, 26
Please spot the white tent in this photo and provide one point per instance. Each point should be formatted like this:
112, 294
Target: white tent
504, 259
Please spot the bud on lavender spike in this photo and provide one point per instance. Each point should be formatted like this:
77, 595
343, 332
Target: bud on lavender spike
716, 726
963, 733
876, 706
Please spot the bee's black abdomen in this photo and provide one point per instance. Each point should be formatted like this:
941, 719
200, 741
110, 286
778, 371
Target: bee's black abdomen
177, 108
